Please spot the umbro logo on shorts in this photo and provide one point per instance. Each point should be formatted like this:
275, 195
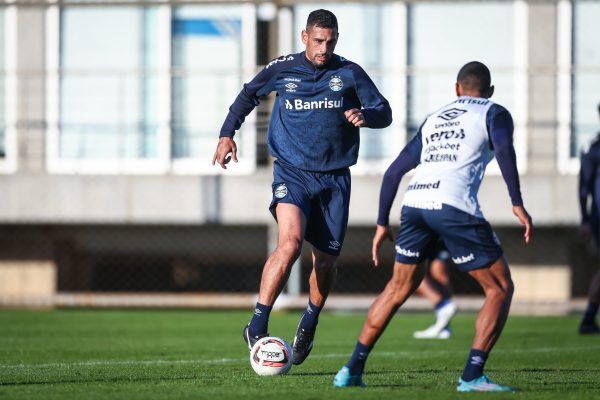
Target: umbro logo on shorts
451, 113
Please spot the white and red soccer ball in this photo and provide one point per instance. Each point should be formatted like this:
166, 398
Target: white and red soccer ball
271, 356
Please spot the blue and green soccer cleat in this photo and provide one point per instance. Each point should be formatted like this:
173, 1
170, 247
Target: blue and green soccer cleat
482, 384
344, 379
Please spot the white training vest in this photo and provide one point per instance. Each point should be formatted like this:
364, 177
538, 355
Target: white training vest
456, 150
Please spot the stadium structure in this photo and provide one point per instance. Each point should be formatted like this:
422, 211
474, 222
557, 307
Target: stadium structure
110, 114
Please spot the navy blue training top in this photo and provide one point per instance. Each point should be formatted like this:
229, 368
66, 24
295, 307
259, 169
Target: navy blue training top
589, 178
500, 129
308, 129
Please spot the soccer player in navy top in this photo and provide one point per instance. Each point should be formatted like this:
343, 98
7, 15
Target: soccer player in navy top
322, 101
589, 186
449, 153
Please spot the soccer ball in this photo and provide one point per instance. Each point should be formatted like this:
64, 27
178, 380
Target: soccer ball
271, 356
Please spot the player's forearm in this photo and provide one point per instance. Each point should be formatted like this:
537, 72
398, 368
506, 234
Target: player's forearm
501, 130
389, 187
375, 108
507, 160
387, 194
238, 111
378, 117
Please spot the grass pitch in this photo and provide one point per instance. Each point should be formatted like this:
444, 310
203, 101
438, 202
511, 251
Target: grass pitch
97, 354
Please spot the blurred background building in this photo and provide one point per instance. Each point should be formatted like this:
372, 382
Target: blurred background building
110, 113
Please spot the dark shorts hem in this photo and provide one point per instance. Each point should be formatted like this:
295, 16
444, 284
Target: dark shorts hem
327, 250
408, 260
481, 263
274, 203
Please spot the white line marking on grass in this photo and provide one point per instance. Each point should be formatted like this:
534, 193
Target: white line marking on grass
123, 362
315, 356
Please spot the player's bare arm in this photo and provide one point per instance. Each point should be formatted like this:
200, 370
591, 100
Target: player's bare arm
226, 151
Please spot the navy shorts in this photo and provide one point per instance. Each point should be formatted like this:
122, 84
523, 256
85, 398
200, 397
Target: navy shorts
323, 197
470, 240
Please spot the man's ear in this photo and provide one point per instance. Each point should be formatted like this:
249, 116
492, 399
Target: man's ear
488, 93
457, 89
304, 37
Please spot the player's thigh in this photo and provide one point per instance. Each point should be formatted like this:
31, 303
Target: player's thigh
290, 204
326, 227
415, 240
291, 222
470, 240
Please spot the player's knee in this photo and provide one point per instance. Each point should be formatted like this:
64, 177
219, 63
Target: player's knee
325, 262
509, 288
290, 247
503, 289
398, 289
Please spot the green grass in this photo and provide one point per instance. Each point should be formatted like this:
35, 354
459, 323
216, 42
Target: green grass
95, 354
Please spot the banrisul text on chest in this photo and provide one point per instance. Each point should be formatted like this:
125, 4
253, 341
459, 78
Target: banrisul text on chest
299, 104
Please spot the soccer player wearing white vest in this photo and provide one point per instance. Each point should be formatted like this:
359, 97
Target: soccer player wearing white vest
450, 153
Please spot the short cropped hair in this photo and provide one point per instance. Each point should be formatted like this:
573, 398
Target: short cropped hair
321, 19
474, 76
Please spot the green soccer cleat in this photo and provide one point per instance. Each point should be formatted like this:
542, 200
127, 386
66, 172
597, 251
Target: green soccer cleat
344, 379
482, 384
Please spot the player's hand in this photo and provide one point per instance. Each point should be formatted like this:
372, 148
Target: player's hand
226, 151
381, 233
525, 219
355, 117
